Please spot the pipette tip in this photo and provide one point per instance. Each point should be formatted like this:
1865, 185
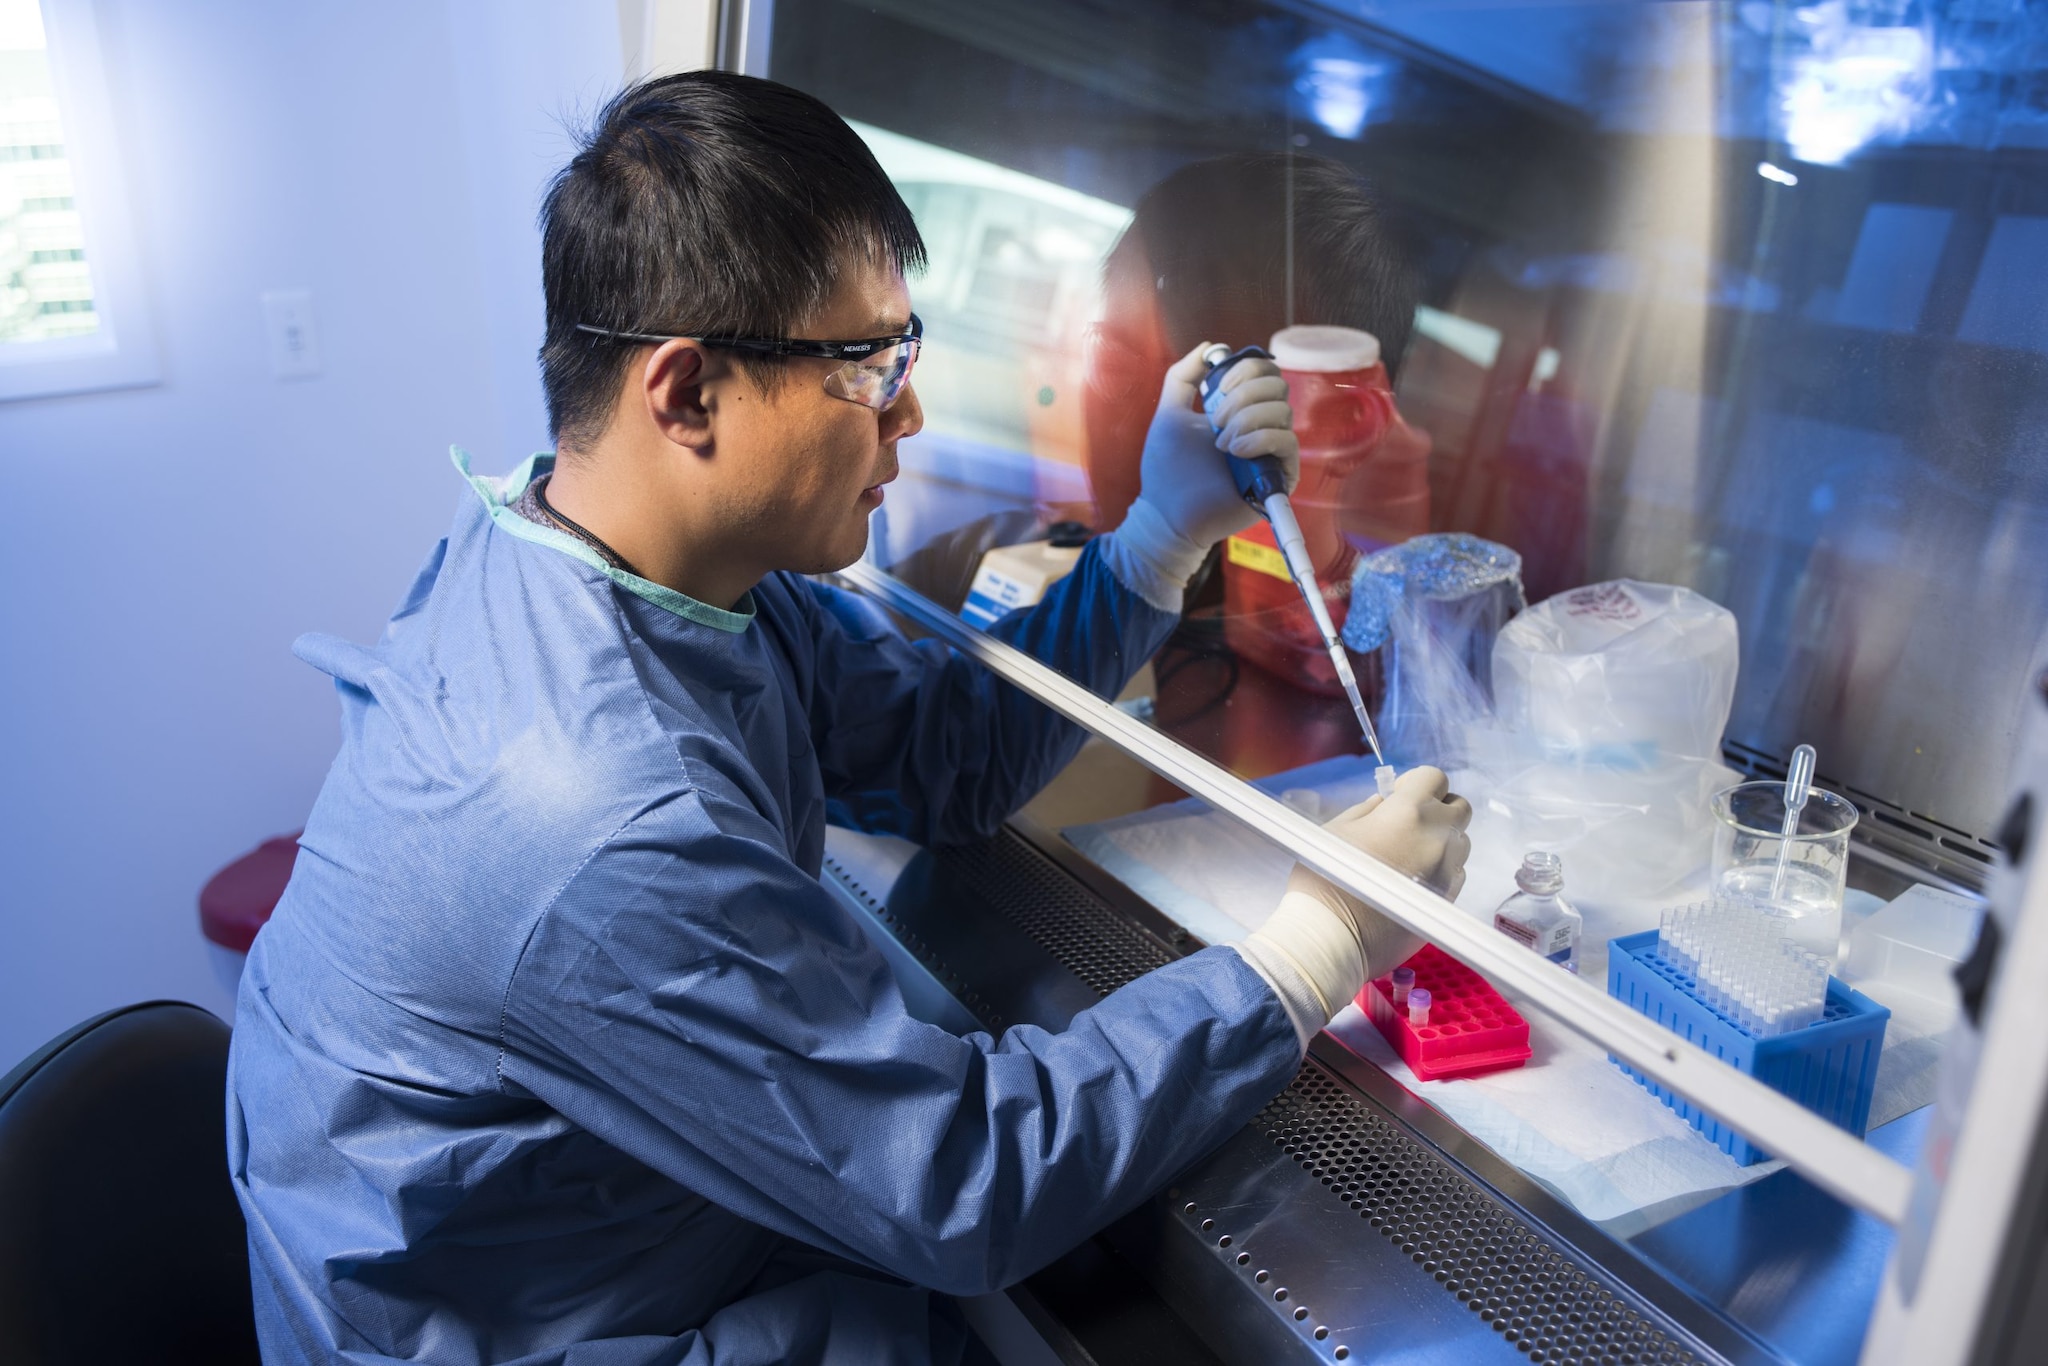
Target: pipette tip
1372, 739
1349, 680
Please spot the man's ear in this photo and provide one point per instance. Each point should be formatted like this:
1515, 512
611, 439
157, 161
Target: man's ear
672, 385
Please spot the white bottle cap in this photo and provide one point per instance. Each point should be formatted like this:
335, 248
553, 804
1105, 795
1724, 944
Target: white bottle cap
1325, 349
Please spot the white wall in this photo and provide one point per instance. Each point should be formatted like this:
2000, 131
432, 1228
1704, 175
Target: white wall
163, 546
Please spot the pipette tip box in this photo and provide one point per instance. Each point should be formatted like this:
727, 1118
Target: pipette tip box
1830, 1066
1471, 1027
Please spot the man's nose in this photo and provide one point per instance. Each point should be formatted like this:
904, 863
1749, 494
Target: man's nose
904, 417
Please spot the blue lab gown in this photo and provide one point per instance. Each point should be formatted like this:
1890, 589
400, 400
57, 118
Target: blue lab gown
557, 1051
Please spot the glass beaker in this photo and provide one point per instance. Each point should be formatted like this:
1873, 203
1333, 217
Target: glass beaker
1803, 886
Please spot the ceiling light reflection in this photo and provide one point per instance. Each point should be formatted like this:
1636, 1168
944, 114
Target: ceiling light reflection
1855, 84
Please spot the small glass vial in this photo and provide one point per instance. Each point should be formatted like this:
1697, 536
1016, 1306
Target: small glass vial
1418, 1006
1404, 982
1538, 916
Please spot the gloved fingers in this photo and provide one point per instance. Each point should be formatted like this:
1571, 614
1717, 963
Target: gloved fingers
1439, 820
1456, 850
1229, 402
1246, 371
1460, 809
1423, 783
1273, 416
1358, 812
1290, 461
1182, 389
1397, 834
1278, 442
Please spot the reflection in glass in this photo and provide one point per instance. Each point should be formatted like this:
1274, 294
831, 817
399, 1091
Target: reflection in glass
1689, 312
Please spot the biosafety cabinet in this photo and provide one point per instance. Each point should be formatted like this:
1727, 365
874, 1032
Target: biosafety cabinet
1705, 417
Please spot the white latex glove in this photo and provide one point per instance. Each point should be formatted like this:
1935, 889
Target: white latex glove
1187, 500
1322, 945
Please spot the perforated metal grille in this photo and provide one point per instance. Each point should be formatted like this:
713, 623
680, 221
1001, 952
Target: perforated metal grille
1495, 1264
1498, 1267
965, 994
1087, 938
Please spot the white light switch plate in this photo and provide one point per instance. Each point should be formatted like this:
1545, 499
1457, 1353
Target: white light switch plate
294, 335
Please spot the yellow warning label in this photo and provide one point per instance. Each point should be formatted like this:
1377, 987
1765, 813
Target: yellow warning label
1264, 558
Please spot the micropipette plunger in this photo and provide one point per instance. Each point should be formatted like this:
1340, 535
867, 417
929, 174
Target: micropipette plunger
1263, 484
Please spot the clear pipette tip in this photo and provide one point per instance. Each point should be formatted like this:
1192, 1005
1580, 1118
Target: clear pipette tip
1294, 550
1350, 681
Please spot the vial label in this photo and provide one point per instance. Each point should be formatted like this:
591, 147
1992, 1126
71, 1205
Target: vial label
1516, 931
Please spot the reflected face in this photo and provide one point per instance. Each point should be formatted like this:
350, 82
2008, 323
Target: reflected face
1126, 361
817, 463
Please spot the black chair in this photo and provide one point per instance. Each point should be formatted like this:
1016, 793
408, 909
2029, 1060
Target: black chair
120, 1239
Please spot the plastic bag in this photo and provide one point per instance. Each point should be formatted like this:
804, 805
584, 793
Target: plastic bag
1605, 746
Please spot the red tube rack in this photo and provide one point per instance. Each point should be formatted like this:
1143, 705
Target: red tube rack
1471, 1029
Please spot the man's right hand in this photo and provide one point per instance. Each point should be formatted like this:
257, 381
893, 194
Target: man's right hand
1420, 829
1187, 500
1322, 944
1183, 472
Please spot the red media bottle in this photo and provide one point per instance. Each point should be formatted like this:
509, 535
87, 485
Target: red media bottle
1364, 485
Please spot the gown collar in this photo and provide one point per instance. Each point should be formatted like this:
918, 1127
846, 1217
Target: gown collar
500, 494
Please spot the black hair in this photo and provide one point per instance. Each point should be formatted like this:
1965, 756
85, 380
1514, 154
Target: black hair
702, 204
1215, 236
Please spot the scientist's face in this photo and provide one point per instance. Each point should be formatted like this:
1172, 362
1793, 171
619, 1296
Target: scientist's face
815, 464
1126, 359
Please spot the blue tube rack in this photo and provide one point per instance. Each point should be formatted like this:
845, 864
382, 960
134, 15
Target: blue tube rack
1830, 1066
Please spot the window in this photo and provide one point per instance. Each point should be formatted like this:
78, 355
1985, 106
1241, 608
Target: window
71, 307
42, 293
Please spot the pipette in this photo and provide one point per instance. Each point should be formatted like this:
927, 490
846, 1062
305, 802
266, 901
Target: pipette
1798, 785
1263, 483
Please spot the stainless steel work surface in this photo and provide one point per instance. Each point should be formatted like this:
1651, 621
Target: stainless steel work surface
1347, 1222
1330, 1219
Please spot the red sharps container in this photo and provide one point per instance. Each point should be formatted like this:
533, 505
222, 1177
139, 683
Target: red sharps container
1364, 486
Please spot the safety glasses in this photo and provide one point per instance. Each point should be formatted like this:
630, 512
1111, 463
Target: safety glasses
873, 374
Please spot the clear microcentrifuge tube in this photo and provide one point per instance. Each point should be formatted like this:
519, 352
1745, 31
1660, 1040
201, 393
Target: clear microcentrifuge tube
1404, 981
1418, 1006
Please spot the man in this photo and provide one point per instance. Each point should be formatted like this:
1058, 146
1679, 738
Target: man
556, 1050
